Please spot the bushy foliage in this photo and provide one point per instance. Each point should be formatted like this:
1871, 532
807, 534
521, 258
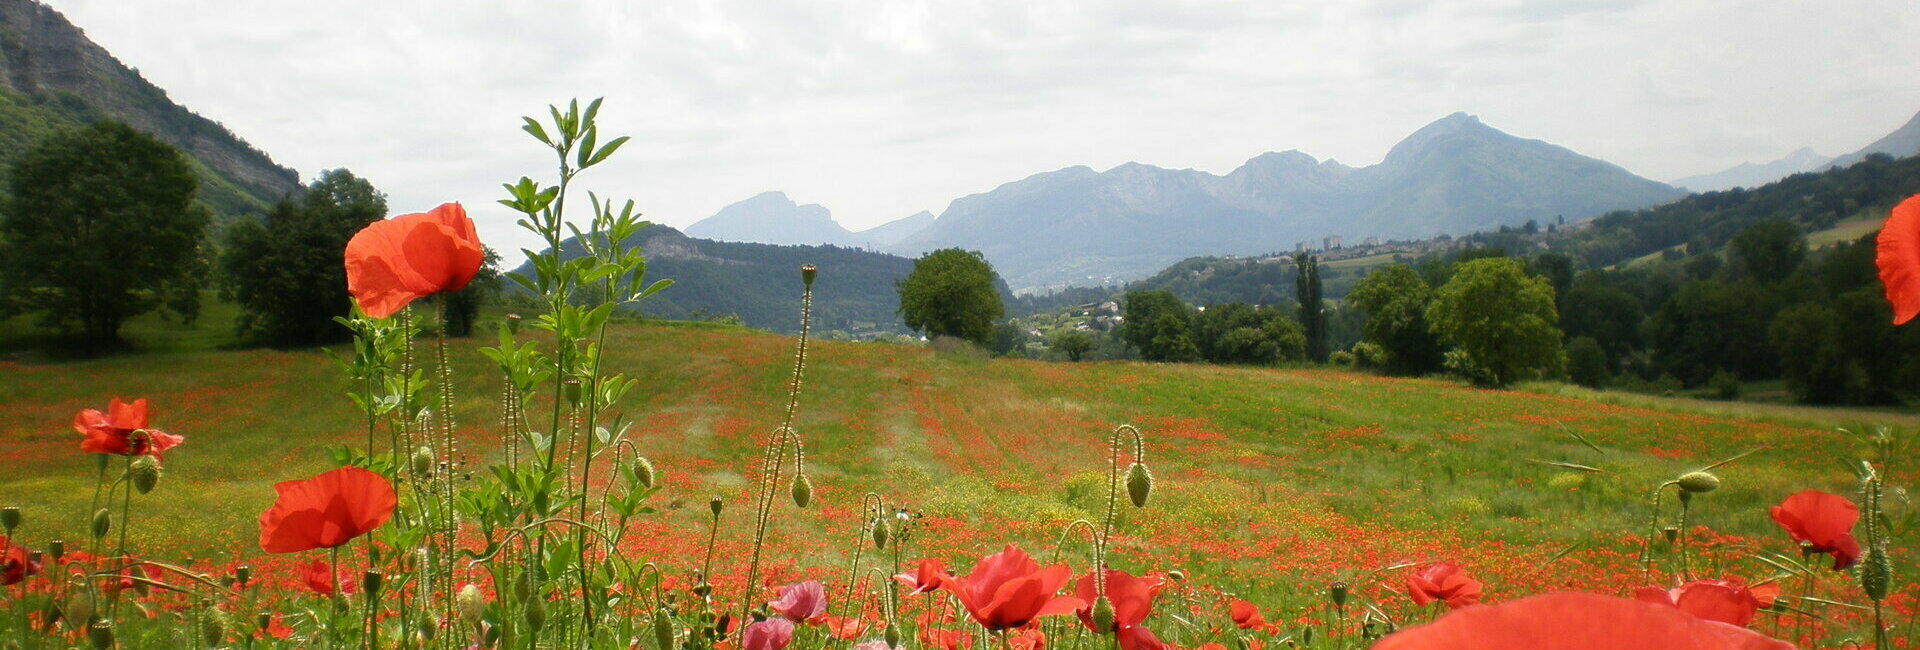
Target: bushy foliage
100, 225
284, 270
952, 292
1498, 322
1587, 362
1395, 299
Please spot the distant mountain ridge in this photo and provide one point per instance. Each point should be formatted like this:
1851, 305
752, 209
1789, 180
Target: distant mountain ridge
1453, 176
1902, 142
53, 77
1755, 175
772, 218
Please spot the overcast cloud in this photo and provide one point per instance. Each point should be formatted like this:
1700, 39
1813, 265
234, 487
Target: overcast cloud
879, 109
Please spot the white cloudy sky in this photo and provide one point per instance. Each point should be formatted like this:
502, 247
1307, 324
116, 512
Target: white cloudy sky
881, 108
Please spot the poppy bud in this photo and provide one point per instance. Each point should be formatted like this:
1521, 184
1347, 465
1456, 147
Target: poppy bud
1103, 615
79, 610
806, 274
262, 620
431, 628
10, 518
1139, 484
572, 389
370, 582
1876, 573
802, 490
643, 471
243, 574
881, 531
702, 589
513, 323
56, 548
1672, 533
145, 472
1306, 635
1698, 482
893, 635
423, 461
101, 634
1177, 574
716, 505
211, 629
523, 587
662, 629
1337, 592
102, 521
536, 614
472, 604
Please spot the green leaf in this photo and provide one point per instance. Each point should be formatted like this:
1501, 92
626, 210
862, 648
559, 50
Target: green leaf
608, 150
533, 127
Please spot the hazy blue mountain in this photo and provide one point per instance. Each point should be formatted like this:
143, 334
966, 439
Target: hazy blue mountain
1755, 175
772, 218
1454, 176
760, 283
1902, 142
53, 77
890, 233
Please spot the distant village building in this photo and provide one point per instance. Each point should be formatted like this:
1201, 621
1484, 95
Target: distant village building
1372, 241
1300, 247
1330, 243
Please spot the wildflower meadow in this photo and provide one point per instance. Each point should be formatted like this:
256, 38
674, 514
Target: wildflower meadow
575, 478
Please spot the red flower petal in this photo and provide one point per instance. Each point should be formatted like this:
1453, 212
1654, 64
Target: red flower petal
1575, 621
393, 262
1823, 521
1897, 253
326, 511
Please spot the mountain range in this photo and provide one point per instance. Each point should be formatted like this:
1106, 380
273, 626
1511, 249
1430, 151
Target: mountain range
53, 77
1902, 142
1078, 226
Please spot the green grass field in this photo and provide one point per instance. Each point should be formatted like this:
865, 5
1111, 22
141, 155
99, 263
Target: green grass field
1271, 482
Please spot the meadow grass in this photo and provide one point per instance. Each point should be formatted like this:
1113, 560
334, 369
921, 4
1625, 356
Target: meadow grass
1271, 482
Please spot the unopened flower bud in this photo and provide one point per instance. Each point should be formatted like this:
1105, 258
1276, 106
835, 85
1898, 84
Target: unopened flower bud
643, 472
536, 614
102, 521
893, 634
523, 587
243, 574
572, 389
1103, 615
1672, 533
1177, 574
1698, 482
715, 505
513, 323
1139, 484
100, 633
57, 548
1876, 573
423, 461
262, 620
881, 532
473, 605
802, 490
662, 629
1337, 592
212, 628
79, 610
703, 588
806, 274
10, 518
431, 628
145, 472
370, 582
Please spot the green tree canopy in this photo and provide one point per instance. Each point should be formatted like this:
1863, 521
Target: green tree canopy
1313, 313
952, 292
1769, 251
1071, 342
286, 270
1395, 300
1157, 324
100, 225
1498, 319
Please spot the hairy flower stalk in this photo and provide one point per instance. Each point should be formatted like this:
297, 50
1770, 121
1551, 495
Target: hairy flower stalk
776, 453
1138, 490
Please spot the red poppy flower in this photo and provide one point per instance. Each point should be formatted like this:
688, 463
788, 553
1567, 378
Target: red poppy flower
770, 634
1897, 253
321, 579
1247, 617
16, 564
1443, 581
1714, 600
393, 262
1008, 590
844, 628
1575, 621
1824, 522
801, 602
925, 578
1132, 600
326, 511
122, 430
942, 639
276, 629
